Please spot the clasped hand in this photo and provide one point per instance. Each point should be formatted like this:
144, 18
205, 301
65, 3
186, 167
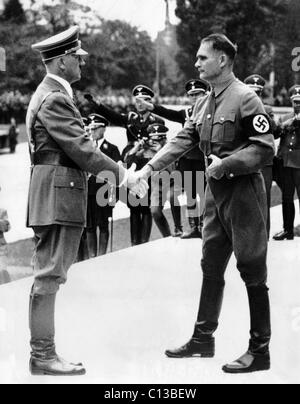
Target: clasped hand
137, 185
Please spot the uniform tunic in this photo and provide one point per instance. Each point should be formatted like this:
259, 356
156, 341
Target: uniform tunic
62, 154
236, 206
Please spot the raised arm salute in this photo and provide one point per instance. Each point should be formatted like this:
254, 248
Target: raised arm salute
234, 132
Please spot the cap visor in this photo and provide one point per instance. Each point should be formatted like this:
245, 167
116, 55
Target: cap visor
143, 97
195, 92
81, 52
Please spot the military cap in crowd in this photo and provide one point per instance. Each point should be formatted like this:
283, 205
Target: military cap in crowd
2, 60
256, 82
65, 43
158, 132
295, 93
196, 86
98, 120
86, 121
142, 91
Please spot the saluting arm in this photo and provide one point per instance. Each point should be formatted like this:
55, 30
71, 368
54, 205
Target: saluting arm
112, 116
178, 147
170, 114
65, 128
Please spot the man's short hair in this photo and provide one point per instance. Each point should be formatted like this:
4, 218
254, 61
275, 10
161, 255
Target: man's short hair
221, 43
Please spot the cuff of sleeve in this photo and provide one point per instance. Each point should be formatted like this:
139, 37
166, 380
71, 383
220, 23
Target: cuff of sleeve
125, 175
149, 169
228, 170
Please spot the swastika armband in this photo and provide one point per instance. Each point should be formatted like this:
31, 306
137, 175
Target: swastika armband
257, 125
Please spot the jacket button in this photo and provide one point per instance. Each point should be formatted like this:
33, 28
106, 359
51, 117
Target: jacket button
72, 184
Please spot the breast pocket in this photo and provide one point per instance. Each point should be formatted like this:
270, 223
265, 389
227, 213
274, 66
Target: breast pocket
224, 127
70, 200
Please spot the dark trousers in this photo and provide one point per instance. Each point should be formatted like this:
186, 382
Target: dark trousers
56, 250
290, 184
268, 177
235, 221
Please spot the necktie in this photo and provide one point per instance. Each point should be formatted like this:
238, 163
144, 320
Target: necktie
207, 125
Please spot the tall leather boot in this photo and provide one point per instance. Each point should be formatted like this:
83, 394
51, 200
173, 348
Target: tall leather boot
103, 243
44, 359
288, 211
194, 229
257, 357
202, 343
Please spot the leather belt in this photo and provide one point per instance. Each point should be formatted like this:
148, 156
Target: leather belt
53, 159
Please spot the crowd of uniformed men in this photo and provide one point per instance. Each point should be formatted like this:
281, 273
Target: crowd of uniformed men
228, 134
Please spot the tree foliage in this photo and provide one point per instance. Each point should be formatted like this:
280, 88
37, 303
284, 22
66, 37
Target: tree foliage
120, 56
14, 12
253, 24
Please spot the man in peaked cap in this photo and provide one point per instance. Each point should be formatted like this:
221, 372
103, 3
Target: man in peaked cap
289, 156
61, 153
257, 84
98, 214
193, 161
160, 191
137, 124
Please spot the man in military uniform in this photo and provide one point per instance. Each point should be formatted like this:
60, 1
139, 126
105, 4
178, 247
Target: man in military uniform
61, 154
257, 83
192, 162
98, 216
234, 133
289, 156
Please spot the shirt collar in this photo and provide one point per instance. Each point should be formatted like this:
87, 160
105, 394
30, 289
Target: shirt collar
63, 82
220, 87
100, 142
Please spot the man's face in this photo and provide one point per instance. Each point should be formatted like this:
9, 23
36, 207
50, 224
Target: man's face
195, 97
140, 107
73, 65
98, 132
296, 105
209, 62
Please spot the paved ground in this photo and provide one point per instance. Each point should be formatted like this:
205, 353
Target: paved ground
119, 313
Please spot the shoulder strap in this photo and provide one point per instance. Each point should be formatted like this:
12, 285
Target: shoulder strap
31, 122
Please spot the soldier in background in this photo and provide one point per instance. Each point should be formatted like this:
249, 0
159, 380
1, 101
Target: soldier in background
98, 216
13, 135
193, 161
137, 124
160, 192
257, 83
289, 157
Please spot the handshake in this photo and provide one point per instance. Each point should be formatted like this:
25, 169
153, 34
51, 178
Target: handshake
137, 181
